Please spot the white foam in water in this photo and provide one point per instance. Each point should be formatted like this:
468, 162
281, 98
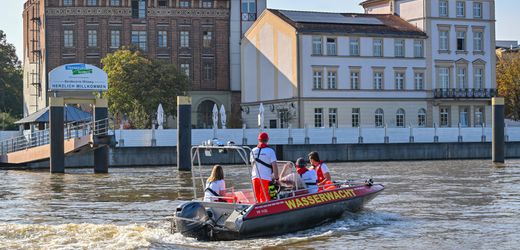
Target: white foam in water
157, 235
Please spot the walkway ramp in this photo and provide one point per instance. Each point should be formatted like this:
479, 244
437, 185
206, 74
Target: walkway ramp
79, 138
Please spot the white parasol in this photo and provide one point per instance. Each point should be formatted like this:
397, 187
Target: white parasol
215, 116
223, 116
261, 111
160, 116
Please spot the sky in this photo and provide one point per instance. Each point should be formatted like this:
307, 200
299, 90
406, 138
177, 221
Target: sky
506, 10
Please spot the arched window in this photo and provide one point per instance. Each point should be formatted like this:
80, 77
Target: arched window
379, 118
421, 118
399, 118
205, 114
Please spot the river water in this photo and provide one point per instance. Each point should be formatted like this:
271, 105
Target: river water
440, 205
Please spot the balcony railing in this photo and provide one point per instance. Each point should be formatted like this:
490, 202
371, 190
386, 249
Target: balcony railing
464, 93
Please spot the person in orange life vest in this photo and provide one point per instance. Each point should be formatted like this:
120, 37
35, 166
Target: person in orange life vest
322, 171
264, 169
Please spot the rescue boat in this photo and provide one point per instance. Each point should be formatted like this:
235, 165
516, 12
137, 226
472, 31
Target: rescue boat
239, 216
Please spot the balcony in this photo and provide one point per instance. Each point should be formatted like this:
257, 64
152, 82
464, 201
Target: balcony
464, 93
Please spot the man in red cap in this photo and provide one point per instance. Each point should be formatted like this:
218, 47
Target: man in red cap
263, 162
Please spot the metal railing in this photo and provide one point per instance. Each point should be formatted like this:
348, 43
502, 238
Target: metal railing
464, 93
42, 137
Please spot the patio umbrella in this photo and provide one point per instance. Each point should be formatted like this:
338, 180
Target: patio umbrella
223, 116
160, 116
261, 111
215, 116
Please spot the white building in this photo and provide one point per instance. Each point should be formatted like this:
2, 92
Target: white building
330, 69
460, 52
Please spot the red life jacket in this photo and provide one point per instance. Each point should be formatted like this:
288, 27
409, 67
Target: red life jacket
319, 172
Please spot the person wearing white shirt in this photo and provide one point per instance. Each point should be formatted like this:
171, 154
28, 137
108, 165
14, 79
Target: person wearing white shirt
264, 169
215, 185
322, 171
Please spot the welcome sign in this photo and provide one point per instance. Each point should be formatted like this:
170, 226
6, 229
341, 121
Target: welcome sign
78, 77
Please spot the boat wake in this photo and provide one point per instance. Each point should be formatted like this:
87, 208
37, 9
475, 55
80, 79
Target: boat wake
156, 235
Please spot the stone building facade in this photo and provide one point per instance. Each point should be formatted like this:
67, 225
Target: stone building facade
195, 35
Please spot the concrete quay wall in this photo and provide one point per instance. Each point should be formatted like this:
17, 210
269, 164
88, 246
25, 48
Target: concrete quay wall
166, 156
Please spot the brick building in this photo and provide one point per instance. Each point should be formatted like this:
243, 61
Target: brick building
201, 37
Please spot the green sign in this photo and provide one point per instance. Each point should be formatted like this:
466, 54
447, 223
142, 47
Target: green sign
81, 71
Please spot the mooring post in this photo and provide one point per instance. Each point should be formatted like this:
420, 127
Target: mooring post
306, 139
101, 129
498, 145
244, 138
183, 133
386, 138
57, 160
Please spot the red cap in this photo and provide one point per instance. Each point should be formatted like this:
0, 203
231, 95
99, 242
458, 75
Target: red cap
263, 136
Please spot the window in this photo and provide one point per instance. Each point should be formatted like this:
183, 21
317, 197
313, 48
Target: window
418, 50
92, 38
477, 10
356, 114
461, 78
331, 46
445, 114
115, 2
378, 80
399, 80
316, 79
444, 40
443, 8
162, 3
331, 79
139, 39
316, 45
463, 116
115, 39
400, 118
379, 118
477, 41
68, 38
333, 117
248, 6
91, 2
67, 2
318, 117
461, 9
421, 118
461, 40
162, 39
354, 80
138, 8
419, 81
207, 3
208, 71
354, 46
444, 78
185, 4
378, 47
185, 68
479, 78
399, 48
479, 117
185, 39
207, 36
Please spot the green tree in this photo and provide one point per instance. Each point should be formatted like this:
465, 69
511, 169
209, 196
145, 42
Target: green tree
508, 83
138, 84
11, 84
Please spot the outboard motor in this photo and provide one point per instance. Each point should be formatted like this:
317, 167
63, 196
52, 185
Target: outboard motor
192, 220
